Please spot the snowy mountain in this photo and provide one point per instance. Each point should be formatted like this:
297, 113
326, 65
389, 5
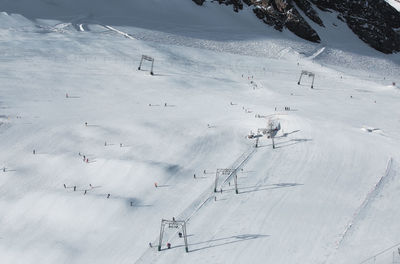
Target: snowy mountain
375, 22
95, 152
394, 3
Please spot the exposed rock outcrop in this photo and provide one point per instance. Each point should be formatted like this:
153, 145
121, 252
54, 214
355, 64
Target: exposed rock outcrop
373, 21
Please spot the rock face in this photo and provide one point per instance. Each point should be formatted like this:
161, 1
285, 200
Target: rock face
373, 21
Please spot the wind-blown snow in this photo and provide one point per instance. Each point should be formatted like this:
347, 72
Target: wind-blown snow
295, 202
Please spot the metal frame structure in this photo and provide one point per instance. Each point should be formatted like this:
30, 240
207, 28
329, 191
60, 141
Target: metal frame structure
273, 129
309, 74
147, 58
173, 224
221, 172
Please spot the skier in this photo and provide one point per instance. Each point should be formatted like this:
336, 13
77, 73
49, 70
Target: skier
221, 190
34, 152
155, 185
194, 175
132, 205
74, 188
65, 186
66, 95
150, 245
108, 196
85, 192
180, 234
87, 160
4, 169
85, 123
215, 198
204, 171
105, 143
165, 104
173, 219
120, 145
168, 245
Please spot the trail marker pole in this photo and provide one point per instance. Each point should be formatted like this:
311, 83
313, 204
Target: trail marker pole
216, 181
161, 235
236, 185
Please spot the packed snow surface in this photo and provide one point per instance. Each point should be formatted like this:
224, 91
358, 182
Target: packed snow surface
71, 90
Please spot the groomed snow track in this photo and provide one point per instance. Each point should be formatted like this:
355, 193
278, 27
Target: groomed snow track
152, 255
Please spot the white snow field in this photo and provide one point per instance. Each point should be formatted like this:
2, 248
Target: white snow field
328, 193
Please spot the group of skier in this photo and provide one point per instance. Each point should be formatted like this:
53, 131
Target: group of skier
85, 159
86, 190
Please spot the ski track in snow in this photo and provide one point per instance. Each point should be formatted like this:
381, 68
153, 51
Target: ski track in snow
362, 210
151, 256
126, 35
210, 73
317, 53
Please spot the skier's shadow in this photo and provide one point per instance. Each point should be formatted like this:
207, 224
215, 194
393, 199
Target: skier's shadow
8, 170
159, 74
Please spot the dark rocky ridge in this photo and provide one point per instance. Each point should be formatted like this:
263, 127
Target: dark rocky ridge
373, 21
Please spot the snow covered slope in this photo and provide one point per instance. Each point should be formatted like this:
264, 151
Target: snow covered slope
326, 194
394, 3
